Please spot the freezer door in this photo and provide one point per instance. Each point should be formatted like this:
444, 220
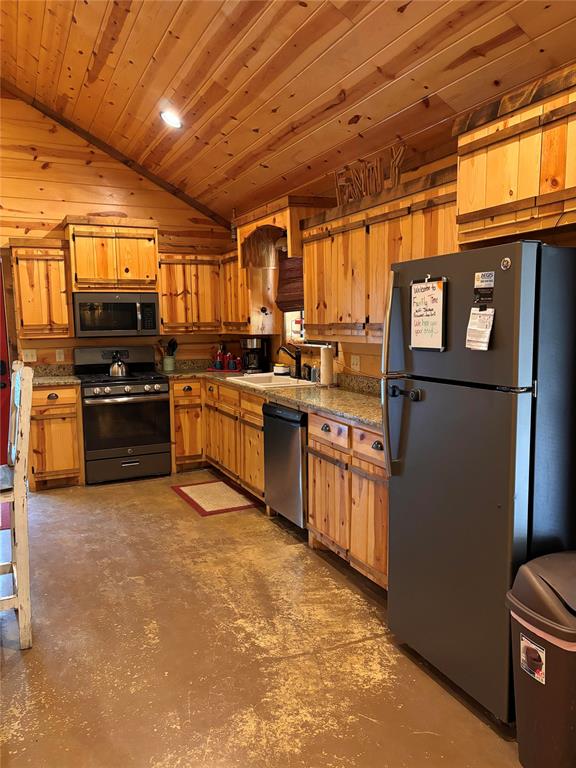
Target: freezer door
509, 359
458, 530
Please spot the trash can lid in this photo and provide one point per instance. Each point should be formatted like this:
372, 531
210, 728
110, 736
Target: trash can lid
544, 594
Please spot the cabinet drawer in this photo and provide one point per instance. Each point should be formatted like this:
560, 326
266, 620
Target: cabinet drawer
368, 445
328, 430
252, 403
185, 389
54, 396
211, 391
228, 395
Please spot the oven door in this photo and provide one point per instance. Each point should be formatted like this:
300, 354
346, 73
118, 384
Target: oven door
117, 427
115, 314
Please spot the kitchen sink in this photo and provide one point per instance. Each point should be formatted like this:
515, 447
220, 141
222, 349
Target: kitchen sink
269, 380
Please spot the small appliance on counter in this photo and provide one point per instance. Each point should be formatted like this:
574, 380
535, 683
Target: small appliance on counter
126, 413
255, 355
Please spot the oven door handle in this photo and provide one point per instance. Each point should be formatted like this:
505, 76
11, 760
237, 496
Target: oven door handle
128, 399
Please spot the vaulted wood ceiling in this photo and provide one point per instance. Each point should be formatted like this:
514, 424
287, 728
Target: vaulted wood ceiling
274, 94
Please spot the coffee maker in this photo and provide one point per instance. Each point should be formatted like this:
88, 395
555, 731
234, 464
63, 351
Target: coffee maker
255, 355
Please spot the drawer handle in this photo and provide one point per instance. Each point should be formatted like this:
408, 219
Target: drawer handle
187, 388
377, 445
53, 396
326, 428
210, 389
130, 464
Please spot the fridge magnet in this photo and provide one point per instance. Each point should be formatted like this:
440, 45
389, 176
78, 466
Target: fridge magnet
428, 314
533, 659
479, 328
484, 287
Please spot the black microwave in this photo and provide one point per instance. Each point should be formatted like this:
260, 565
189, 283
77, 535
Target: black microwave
116, 314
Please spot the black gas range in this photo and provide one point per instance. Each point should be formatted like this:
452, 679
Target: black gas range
126, 418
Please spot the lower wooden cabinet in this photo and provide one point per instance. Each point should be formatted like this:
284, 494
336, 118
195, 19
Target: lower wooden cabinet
228, 438
187, 432
369, 521
55, 456
252, 453
348, 495
329, 494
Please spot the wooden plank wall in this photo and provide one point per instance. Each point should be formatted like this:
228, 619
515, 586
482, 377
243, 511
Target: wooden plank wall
48, 172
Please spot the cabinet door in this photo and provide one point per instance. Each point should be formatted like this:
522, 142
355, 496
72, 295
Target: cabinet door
233, 293
388, 242
175, 295
41, 294
329, 495
316, 256
211, 433
227, 434
54, 444
206, 295
252, 454
345, 282
136, 259
188, 431
94, 258
369, 520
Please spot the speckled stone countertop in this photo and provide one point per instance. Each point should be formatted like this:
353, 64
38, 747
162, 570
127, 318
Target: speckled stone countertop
55, 381
334, 401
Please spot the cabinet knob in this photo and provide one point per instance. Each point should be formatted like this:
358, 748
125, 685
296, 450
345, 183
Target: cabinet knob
210, 389
187, 388
377, 445
53, 396
326, 428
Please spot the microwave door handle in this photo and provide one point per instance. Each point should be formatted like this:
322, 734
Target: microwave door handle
138, 316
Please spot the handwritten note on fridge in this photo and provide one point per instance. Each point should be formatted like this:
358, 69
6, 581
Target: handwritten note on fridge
427, 314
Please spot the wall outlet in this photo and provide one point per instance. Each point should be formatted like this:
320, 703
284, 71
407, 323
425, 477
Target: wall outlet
355, 362
29, 355
60, 356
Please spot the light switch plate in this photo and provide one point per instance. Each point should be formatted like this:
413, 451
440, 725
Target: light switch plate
59, 355
29, 355
355, 362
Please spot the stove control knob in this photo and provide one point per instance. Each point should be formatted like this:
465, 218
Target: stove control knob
127, 388
157, 387
97, 390
147, 387
107, 390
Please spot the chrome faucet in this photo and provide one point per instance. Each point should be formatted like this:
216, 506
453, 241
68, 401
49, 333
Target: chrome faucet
296, 356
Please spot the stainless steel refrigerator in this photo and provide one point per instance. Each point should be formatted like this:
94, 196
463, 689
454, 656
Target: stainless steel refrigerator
478, 420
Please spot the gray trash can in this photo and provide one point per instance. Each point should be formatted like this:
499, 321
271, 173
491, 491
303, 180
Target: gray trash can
542, 605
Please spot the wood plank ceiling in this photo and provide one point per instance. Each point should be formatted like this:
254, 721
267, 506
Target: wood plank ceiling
274, 94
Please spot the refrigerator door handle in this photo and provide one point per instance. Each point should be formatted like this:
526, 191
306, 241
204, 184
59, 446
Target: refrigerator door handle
386, 443
386, 335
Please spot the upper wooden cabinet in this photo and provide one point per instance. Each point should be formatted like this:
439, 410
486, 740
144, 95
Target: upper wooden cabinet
41, 298
189, 293
517, 174
233, 294
348, 252
111, 258
259, 277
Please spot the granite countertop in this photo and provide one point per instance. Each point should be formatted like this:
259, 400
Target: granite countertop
364, 409
61, 380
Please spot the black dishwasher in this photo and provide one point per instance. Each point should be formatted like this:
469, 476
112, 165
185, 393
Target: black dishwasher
284, 461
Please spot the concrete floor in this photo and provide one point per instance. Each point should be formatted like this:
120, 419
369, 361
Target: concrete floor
166, 640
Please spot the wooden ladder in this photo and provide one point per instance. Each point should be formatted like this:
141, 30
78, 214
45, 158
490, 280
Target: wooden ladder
14, 491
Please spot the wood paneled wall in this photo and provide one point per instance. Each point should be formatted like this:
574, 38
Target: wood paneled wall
48, 172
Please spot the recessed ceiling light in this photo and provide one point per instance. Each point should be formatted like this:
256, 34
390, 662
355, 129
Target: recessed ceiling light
171, 118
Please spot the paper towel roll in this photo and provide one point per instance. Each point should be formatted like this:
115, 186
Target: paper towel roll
326, 366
